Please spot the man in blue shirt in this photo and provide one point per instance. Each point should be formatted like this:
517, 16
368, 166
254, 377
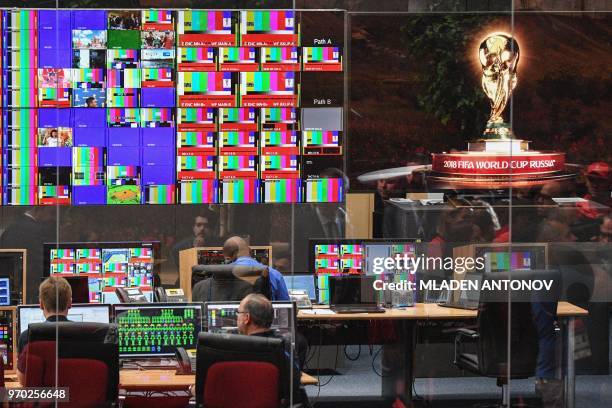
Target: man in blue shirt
238, 252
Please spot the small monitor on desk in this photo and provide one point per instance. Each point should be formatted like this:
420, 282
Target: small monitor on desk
352, 290
28, 314
304, 283
222, 317
155, 330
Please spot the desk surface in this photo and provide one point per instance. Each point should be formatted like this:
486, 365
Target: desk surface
425, 311
133, 380
167, 380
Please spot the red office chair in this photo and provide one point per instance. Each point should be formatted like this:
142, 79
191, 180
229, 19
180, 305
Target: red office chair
81, 356
241, 371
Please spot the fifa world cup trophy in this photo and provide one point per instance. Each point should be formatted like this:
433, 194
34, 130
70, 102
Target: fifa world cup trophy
497, 159
499, 57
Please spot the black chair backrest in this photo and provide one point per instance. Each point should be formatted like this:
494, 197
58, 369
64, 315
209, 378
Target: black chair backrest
494, 314
232, 282
95, 341
217, 347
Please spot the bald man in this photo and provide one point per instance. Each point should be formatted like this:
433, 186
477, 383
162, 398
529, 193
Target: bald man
237, 252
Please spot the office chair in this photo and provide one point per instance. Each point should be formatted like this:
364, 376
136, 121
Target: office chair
85, 355
233, 370
491, 338
228, 283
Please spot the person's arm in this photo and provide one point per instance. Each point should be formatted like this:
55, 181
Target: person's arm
277, 283
21, 365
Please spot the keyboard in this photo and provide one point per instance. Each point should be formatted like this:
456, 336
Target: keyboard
151, 364
460, 305
357, 309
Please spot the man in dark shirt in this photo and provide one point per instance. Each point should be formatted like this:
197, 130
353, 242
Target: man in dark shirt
55, 296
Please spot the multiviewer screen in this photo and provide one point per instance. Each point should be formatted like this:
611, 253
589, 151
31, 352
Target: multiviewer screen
149, 330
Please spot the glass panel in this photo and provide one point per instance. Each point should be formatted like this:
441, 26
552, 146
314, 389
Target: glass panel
372, 168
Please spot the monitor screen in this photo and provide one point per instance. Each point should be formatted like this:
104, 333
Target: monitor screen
352, 290
519, 257
222, 317
80, 288
301, 282
7, 337
5, 291
28, 314
12, 267
152, 330
106, 265
504, 261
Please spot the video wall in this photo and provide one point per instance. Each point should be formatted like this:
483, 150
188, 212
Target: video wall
170, 107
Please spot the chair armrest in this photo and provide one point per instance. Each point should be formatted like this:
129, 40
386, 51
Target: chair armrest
465, 332
454, 330
460, 334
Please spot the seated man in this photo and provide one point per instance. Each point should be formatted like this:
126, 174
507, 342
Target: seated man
55, 296
255, 316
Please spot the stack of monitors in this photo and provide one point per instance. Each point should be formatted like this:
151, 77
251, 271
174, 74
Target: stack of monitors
125, 265
5, 292
352, 257
164, 107
7, 338
214, 255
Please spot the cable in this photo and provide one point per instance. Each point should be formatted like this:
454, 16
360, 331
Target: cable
318, 366
312, 351
374, 366
331, 377
349, 357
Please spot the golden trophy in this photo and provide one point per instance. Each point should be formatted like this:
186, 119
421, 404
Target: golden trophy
499, 57
497, 159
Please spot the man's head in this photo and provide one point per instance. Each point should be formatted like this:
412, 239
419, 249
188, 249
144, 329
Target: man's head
234, 248
55, 296
555, 229
605, 229
91, 102
391, 187
43, 213
255, 314
200, 225
599, 179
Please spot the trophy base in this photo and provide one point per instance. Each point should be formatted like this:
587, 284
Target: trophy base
443, 181
509, 146
487, 169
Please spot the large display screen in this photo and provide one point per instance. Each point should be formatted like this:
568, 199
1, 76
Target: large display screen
170, 107
107, 265
332, 257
